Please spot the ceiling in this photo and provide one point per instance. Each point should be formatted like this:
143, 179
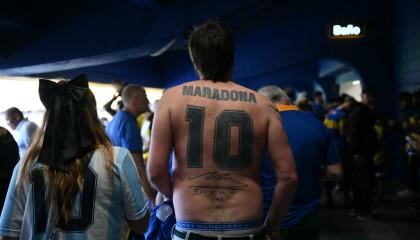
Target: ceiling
145, 40
105, 37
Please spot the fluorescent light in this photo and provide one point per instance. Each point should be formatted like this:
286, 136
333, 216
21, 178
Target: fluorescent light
355, 82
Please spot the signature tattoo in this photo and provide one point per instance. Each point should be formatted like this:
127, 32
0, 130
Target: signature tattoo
219, 193
215, 175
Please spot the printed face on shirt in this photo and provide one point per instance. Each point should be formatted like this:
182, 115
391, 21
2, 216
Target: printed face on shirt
12, 120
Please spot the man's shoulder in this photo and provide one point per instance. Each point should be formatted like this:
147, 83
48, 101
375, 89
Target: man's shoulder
119, 122
32, 124
28, 125
122, 117
120, 154
179, 87
172, 94
308, 119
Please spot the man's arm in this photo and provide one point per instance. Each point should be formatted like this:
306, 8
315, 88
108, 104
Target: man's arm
333, 171
108, 105
134, 199
160, 148
131, 139
138, 160
284, 167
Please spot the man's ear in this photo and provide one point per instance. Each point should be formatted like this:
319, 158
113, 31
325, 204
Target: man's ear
136, 99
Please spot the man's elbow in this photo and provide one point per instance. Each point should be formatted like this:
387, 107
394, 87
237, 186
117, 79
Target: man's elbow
153, 174
291, 180
294, 180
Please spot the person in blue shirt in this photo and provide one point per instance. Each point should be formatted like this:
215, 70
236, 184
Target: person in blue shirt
124, 131
336, 122
318, 107
312, 148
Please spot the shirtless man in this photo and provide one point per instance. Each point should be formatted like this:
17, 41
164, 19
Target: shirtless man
218, 131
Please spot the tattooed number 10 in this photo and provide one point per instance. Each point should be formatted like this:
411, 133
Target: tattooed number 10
221, 150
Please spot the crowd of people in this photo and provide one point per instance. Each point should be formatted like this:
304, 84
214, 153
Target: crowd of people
358, 133
215, 161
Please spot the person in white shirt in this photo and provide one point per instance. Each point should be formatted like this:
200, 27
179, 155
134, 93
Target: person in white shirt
25, 129
72, 184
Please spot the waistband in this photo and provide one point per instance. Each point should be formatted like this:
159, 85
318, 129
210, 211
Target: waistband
188, 235
225, 226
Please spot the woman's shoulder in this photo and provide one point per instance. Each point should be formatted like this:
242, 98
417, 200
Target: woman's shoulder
120, 155
120, 151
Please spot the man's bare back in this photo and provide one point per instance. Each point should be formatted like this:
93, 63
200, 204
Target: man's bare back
219, 131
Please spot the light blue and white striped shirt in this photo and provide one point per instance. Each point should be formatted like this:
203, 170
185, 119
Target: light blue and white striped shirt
100, 210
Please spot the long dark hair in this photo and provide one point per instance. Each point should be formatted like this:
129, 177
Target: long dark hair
63, 186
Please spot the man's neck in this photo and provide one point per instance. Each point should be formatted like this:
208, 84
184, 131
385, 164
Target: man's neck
130, 111
227, 79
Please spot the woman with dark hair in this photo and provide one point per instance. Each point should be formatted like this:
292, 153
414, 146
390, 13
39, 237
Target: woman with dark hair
72, 183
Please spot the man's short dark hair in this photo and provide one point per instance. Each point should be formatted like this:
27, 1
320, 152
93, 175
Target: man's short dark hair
130, 91
14, 111
211, 50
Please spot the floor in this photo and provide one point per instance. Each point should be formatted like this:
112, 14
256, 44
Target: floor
393, 220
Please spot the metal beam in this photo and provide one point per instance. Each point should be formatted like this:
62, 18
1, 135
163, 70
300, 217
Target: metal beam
96, 60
